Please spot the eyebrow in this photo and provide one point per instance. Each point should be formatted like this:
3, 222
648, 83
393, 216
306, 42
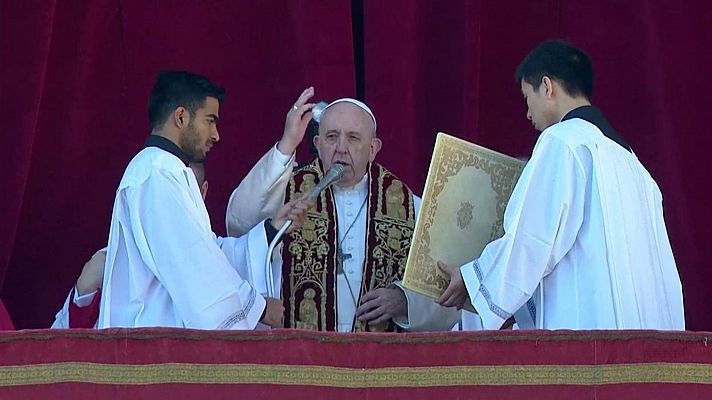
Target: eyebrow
348, 133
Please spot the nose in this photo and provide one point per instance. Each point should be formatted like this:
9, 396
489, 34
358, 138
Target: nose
529, 115
341, 144
215, 136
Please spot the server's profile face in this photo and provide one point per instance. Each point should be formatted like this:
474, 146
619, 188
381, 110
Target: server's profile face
201, 132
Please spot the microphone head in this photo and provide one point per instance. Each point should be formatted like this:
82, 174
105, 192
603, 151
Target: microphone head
318, 110
336, 171
333, 175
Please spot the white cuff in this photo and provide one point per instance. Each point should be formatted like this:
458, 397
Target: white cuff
492, 316
253, 317
83, 300
283, 159
403, 322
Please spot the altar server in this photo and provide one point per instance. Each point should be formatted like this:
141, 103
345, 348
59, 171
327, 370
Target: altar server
164, 266
585, 243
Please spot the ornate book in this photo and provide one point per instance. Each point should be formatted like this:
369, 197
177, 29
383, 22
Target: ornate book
466, 193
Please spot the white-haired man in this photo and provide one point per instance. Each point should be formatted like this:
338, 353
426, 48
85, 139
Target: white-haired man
342, 272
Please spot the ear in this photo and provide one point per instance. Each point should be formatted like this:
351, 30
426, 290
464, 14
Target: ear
376, 145
204, 190
548, 86
181, 117
315, 140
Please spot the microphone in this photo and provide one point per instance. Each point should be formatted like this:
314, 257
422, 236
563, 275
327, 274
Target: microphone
313, 127
334, 174
318, 110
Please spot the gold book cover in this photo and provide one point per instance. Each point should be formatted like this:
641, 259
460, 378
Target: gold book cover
466, 192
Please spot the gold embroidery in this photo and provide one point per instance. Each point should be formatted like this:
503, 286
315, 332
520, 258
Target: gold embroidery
312, 263
394, 238
319, 375
307, 311
308, 269
359, 326
393, 231
382, 327
391, 251
394, 201
309, 230
307, 184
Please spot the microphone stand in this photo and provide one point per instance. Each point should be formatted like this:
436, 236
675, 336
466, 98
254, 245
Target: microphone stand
268, 259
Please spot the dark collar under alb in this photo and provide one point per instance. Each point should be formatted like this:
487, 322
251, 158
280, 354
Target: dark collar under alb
595, 116
165, 144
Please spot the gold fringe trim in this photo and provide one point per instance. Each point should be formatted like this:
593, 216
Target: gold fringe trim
305, 375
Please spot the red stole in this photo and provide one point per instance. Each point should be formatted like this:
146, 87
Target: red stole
310, 253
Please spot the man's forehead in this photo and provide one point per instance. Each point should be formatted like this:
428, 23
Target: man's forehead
345, 114
211, 106
526, 87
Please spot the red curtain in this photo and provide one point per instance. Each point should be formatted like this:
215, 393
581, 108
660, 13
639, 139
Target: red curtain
76, 77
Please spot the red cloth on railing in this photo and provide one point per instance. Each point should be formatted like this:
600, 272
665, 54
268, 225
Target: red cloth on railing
293, 364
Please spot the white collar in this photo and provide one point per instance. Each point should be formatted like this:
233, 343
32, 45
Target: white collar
361, 187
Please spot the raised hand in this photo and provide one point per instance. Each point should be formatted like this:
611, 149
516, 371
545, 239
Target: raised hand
296, 123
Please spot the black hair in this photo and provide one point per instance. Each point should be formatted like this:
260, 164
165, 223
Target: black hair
173, 89
562, 62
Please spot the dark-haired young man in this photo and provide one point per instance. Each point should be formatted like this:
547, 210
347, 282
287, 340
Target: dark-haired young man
585, 244
164, 266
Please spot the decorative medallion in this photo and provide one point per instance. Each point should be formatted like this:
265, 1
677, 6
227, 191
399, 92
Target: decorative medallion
464, 215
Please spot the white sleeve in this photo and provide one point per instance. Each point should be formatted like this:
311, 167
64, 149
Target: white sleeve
260, 193
236, 251
541, 223
247, 255
206, 290
84, 299
470, 321
425, 315
61, 319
